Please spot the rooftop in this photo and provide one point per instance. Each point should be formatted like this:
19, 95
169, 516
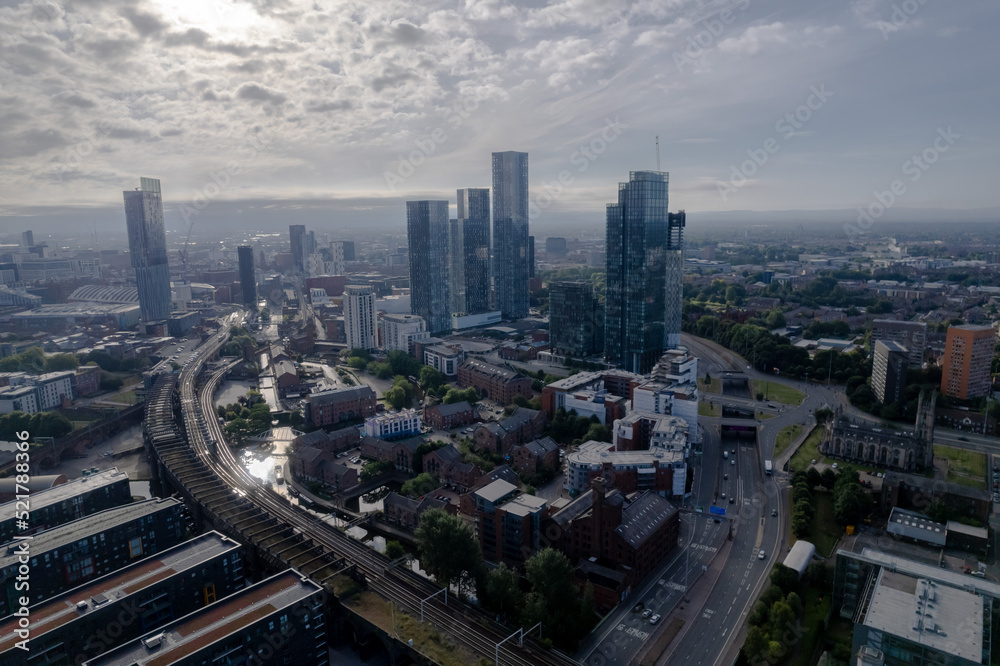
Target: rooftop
643, 516
57, 494
600, 453
60, 610
85, 527
496, 490
523, 505
204, 627
488, 369
453, 408
939, 617
104, 294
339, 395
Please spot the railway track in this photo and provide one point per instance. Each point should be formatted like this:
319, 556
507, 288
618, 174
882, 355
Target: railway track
200, 461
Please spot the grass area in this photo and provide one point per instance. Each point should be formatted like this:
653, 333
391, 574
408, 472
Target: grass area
123, 398
763, 416
965, 467
825, 531
706, 408
816, 606
775, 392
808, 452
786, 436
427, 640
714, 386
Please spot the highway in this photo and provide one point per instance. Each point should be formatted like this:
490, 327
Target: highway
466, 625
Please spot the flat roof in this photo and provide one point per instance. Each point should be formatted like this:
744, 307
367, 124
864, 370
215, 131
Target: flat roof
193, 633
54, 613
523, 505
496, 490
920, 611
87, 526
64, 491
599, 453
952, 578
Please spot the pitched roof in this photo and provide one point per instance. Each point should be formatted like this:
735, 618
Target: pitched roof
336, 396
643, 516
541, 447
453, 408
521, 415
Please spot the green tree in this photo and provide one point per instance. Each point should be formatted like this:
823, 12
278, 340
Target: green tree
357, 362
454, 395
61, 362
755, 645
394, 550
296, 418
782, 619
501, 592
431, 378
373, 469
554, 599
402, 363
419, 485
785, 578
380, 369
395, 397
448, 549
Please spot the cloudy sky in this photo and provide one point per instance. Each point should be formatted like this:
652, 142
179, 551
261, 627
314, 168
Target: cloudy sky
359, 105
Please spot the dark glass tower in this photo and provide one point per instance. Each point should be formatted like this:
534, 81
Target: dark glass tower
147, 244
575, 319
247, 281
295, 234
470, 252
510, 233
427, 233
637, 248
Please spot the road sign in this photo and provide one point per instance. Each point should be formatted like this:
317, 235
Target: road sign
717, 510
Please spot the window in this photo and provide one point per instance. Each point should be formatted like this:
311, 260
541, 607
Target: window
135, 547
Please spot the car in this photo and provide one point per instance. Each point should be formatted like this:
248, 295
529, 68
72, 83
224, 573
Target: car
638, 607
723, 495
774, 513
761, 555
835, 465
718, 520
725, 477
813, 462
654, 619
646, 613
732, 500
732, 462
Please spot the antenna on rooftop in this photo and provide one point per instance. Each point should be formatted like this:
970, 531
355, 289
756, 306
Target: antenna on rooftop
657, 152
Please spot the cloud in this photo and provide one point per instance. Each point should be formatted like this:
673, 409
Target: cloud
256, 92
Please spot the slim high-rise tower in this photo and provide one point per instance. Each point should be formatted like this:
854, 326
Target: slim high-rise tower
248, 282
147, 244
427, 230
510, 233
673, 299
642, 256
295, 234
360, 318
470, 252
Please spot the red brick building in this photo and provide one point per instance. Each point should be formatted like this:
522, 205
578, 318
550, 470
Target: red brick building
404, 513
399, 453
493, 382
333, 284
521, 427
340, 405
447, 465
535, 456
87, 380
446, 417
334, 441
309, 464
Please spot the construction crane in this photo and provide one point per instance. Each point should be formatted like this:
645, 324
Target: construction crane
657, 152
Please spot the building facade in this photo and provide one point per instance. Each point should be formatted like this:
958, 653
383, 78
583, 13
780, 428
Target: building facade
637, 269
576, 320
339, 405
889, 363
511, 268
400, 331
968, 354
147, 244
360, 318
394, 425
248, 281
427, 231
470, 253
493, 382
893, 449
295, 234
910, 334
508, 523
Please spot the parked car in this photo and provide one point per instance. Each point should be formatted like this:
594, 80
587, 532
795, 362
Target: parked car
638, 607
654, 619
646, 613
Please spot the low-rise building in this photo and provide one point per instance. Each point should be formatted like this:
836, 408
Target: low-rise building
499, 384
401, 331
394, 425
508, 523
500, 437
310, 464
281, 616
112, 610
659, 470
340, 405
399, 453
402, 512
535, 456
446, 359
89, 547
86, 380
67, 502
334, 441
446, 417
447, 465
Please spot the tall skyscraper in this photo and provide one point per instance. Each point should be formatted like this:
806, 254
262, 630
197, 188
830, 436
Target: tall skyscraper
510, 233
147, 244
643, 256
575, 319
295, 234
360, 319
427, 228
470, 252
348, 250
968, 353
531, 256
673, 301
248, 282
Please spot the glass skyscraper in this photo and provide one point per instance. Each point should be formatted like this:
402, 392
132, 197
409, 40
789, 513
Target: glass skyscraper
510, 233
427, 233
576, 323
470, 252
147, 244
644, 273
248, 283
295, 235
